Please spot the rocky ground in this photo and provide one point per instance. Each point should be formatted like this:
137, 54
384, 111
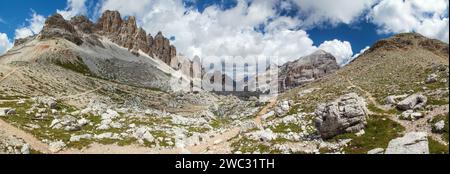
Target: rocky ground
391, 99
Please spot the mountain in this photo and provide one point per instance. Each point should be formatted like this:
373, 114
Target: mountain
112, 48
404, 69
306, 69
107, 87
84, 85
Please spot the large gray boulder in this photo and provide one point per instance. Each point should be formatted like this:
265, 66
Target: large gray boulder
411, 143
414, 101
345, 115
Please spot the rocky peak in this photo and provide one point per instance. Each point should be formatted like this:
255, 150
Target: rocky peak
123, 32
110, 22
306, 69
406, 41
56, 26
83, 24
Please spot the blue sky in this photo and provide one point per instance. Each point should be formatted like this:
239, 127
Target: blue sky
342, 27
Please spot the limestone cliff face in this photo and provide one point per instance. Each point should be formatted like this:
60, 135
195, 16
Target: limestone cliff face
123, 32
306, 69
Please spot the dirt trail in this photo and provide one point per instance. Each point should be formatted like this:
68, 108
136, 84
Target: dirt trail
28, 138
9, 74
217, 144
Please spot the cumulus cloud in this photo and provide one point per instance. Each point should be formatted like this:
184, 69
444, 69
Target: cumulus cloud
429, 18
74, 7
33, 26
218, 32
5, 44
318, 12
342, 51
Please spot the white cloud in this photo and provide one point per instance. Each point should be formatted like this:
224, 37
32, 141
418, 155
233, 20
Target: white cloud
218, 32
333, 12
357, 55
74, 8
342, 51
5, 44
429, 18
34, 26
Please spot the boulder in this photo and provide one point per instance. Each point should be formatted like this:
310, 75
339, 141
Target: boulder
431, 78
411, 115
347, 114
376, 151
438, 127
56, 146
414, 101
143, 133
411, 143
50, 102
68, 123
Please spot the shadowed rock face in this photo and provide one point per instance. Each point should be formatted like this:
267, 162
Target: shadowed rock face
56, 26
306, 69
123, 32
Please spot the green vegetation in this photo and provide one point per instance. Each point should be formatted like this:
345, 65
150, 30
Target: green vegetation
246, 145
436, 147
77, 66
379, 131
219, 122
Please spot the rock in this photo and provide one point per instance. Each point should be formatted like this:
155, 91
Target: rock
57, 27
360, 133
306, 69
109, 114
143, 133
431, 78
68, 123
83, 122
376, 151
56, 146
411, 115
50, 102
411, 143
4, 111
7, 111
438, 127
25, 149
266, 135
21, 102
127, 34
347, 114
76, 138
414, 101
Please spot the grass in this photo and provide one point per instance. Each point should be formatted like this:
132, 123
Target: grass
246, 145
379, 131
219, 122
436, 147
77, 66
